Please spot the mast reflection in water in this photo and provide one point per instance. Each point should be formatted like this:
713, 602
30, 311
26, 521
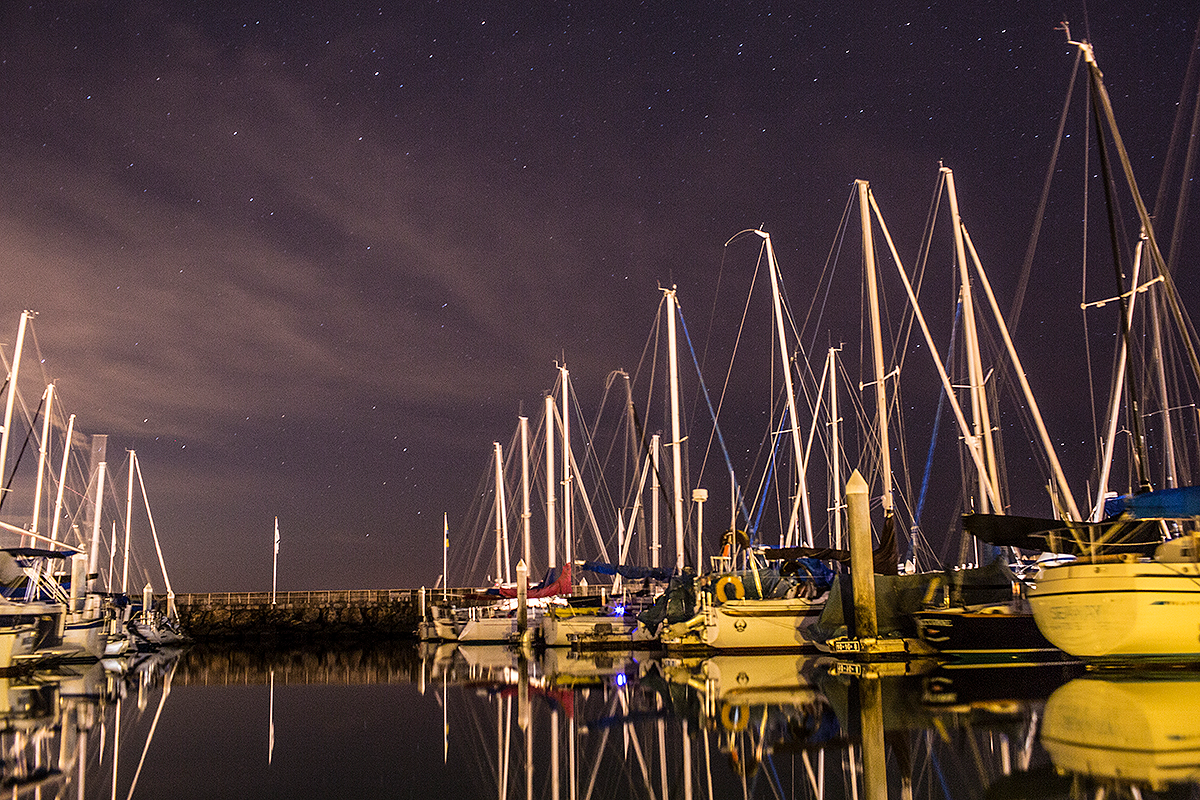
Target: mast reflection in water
403, 720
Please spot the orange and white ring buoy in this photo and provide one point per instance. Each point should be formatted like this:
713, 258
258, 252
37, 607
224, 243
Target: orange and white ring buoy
739, 591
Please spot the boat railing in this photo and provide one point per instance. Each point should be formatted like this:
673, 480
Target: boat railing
451, 596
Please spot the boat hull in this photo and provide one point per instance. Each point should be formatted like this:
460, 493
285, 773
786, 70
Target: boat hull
488, 629
1114, 611
983, 635
591, 631
748, 625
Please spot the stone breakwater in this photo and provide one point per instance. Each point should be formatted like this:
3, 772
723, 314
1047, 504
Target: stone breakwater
358, 613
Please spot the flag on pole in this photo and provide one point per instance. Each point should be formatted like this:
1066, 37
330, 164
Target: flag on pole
275, 562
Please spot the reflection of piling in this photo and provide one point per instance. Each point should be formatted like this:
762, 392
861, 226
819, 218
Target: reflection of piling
874, 756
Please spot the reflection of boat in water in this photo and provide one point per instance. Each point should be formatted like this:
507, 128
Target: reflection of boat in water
1134, 728
573, 668
757, 679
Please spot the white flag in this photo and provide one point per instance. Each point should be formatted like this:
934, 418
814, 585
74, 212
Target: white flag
277, 536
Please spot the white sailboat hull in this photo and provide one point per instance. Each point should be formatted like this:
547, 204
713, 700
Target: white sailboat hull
748, 625
1120, 610
753, 624
591, 629
488, 629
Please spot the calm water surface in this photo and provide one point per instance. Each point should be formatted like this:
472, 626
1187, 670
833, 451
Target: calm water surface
402, 720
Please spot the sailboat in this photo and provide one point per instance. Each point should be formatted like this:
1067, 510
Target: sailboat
756, 608
491, 616
998, 627
153, 624
1112, 605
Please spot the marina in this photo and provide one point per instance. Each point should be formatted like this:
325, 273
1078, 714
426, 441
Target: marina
796, 550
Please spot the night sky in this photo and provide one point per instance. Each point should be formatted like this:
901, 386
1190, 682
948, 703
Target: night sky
310, 260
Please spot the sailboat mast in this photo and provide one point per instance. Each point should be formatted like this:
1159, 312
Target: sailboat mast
526, 515
655, 488
568, 531
881, 416
128, 520
62, 479
835, 453
43, 455
1114, 398
499, 511
943, 375
94, 555
12, 396
551, 485
275, 565
1156, 257
1133, 395
676, 437
979, 407
793, 421
162, 565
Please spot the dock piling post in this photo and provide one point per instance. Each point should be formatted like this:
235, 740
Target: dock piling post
862, 562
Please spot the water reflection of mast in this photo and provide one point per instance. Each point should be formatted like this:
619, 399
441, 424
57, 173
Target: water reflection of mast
271, 722
162, 701
620, 698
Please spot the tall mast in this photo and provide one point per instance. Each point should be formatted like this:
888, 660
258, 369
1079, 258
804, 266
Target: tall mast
94, 555
568, 531
526, 515
979, 406
43, 455
1105, 104
502, 564
637, 446
964, 428
62, 479
881, 415
835, 453
12, 395
655, 488
793, 420
676, 436
551, 485
128, 520
275, 564
162, 565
